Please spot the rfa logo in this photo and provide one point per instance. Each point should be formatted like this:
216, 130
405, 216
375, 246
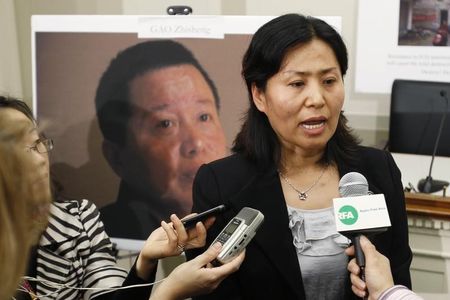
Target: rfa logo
348, 215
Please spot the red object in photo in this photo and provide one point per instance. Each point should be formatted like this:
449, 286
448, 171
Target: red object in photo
441, 37
437, 40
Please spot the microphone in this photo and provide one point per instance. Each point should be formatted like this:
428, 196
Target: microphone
430, 185
359, 212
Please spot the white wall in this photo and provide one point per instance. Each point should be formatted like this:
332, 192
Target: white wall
10, 77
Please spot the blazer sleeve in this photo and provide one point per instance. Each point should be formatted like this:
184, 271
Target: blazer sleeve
207, 194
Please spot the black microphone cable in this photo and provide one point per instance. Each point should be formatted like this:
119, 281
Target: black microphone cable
429, 185
443, 94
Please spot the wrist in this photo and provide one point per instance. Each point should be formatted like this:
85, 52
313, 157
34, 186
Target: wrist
164, 292
145, 266
379, 293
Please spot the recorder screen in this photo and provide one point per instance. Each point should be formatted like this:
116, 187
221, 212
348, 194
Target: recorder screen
232, 227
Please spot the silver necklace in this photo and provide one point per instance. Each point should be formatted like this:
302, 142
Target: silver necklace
303, 195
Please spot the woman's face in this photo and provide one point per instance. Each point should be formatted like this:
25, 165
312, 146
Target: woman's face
39, 166
40, 160
304, 99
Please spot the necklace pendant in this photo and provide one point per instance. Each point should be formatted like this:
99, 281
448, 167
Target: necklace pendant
302, 196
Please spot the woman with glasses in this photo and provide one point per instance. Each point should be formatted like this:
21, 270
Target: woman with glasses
24, 205
74, 250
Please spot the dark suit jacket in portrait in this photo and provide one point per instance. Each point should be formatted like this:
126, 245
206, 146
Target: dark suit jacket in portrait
271, 269
131, 216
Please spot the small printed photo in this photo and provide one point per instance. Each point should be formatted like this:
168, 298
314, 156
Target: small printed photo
423, 23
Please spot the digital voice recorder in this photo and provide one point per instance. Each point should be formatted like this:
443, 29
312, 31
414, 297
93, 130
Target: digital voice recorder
237, 234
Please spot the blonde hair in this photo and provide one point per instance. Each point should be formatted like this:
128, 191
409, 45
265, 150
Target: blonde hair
19, 198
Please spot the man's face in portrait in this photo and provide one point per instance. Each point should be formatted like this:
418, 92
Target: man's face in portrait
174, 128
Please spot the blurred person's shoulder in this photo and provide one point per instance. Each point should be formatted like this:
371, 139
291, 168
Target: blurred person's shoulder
73, 207
66, 220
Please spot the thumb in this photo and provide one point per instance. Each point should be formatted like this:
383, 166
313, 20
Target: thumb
209, 255
367, 247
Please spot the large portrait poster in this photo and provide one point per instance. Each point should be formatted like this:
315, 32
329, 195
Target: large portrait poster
401, 39
135, 105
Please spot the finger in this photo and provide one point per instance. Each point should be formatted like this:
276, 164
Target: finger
357, 282
199, 236
196, 231
188, 216
230, 267
353, 267
233, 265
358, 292
350, 251
208, 222
171, 235
180, 230
209, 266
367, 246
209, 255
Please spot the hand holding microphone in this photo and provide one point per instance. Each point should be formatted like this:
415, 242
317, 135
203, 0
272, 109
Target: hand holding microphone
359, 212
378, 272
379, 282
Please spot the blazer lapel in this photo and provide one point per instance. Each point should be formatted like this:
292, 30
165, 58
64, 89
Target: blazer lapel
274, 236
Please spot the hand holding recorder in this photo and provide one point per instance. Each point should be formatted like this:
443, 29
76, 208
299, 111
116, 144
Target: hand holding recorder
171, 239
193, 277
236, 234
196, 276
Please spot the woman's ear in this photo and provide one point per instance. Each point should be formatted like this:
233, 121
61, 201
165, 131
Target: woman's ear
258, 98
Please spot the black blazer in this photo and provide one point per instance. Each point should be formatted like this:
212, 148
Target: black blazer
271, 269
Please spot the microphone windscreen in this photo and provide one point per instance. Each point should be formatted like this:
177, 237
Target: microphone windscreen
353, 184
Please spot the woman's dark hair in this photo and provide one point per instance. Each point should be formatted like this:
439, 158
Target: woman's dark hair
256, 140
17, 104
9, 102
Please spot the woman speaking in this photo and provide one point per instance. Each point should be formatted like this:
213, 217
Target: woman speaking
292, 149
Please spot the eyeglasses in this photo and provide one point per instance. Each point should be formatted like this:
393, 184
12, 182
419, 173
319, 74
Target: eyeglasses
42, 146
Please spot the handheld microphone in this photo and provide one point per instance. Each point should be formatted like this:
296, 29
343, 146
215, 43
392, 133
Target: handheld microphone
359, 212
430, 185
